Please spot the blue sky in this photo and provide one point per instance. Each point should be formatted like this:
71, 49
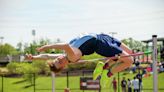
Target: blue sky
66, 19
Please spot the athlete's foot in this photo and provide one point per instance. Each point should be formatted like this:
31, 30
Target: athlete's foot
98, 70
105, 77
106, 65
109, 74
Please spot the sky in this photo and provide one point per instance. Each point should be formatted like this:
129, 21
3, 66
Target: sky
66, 19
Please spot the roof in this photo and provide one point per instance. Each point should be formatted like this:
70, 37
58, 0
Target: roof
150, 40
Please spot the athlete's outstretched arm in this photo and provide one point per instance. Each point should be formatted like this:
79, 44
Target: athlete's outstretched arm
42, 56
73, 54
61, 46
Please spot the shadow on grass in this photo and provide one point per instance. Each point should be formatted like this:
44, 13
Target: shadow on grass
28, 86
21, 81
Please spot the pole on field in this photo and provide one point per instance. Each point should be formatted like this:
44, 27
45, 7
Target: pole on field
2, 83
155, 75
118, 81
34, 81
67, 79
53, 81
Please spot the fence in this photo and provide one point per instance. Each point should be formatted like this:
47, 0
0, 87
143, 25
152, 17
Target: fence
17, 83
69, 80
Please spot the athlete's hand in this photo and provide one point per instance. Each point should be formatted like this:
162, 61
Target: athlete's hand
28, 57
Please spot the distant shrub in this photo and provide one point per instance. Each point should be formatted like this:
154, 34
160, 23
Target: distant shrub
42, 66
28, 69
12, 67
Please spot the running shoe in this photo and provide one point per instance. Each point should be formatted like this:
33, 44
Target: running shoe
98, 70
104, 78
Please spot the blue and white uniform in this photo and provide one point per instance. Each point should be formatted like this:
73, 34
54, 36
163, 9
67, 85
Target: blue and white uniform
102, 44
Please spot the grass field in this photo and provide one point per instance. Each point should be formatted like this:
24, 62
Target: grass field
43, 84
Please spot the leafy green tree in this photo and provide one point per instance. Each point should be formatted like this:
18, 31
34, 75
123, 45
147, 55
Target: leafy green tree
133, 44
32, 47
7, 49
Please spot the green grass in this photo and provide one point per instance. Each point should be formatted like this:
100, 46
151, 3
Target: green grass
44, 83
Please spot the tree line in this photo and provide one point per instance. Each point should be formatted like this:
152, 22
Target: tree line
8, 49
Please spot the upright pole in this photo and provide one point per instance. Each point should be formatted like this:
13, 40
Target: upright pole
83, 76
53, 81
67, 79
2, 83
155, 76
147, 47
118, 81
34, 81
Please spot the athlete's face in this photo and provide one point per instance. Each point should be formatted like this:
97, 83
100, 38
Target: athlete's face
61, 62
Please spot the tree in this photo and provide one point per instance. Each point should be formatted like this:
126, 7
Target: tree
7, 49
32, 47
133, 44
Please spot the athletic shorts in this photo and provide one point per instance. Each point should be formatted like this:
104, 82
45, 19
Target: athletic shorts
102, 44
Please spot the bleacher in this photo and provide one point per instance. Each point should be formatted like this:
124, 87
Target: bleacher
4, 60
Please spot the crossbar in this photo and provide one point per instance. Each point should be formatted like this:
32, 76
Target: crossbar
117, 57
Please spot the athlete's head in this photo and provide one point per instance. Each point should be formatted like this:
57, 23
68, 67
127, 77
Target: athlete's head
58, 64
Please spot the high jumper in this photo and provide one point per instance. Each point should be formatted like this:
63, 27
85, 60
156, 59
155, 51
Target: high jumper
87, 44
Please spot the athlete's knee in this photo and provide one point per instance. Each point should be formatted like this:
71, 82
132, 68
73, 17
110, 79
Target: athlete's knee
129, 61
